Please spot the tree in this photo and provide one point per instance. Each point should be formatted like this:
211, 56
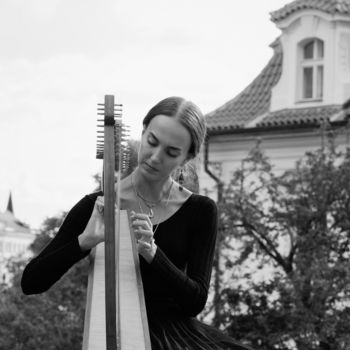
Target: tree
52, 320
294, 229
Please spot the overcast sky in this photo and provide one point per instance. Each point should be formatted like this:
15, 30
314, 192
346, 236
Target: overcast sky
59, 58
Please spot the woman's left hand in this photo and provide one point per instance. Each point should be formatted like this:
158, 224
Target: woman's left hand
143, 230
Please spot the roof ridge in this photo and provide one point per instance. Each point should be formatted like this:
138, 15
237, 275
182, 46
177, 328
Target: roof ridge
299, 116
329, 6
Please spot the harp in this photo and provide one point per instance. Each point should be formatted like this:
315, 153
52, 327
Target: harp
115, 315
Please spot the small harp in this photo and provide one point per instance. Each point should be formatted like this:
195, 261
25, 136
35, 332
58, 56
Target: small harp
115, 316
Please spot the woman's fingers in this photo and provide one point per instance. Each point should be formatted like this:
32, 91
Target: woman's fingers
99, 205
143, 235
141, 216
143, 244
142, 224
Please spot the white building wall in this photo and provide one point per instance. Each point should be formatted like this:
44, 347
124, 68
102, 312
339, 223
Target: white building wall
13, 245
284, 149
342, 63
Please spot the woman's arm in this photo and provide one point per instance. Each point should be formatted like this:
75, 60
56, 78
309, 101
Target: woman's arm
190, 289
61, 253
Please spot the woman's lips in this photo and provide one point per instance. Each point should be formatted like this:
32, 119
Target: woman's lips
150, 167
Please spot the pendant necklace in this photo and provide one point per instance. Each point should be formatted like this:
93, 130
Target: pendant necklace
153, 204
150, 204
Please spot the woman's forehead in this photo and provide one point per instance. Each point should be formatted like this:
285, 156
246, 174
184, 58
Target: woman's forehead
169, 130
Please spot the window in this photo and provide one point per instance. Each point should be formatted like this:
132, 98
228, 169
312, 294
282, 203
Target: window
312, 69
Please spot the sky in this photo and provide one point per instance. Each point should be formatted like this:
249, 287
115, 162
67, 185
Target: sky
58, 59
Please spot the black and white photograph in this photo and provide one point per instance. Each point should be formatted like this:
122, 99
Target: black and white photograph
175, 175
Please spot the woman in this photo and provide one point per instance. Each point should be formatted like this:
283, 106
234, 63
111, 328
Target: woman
175, 231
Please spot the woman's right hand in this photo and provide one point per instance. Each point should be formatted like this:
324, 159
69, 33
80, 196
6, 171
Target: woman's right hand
94, 230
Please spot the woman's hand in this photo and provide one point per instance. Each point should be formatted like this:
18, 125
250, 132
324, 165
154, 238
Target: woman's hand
94, 232
143, 230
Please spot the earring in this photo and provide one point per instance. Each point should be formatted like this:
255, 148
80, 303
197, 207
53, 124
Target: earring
181, 180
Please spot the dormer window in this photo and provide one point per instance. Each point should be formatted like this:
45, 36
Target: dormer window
311, 70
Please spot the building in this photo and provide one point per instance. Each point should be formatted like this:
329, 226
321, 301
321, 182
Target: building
15, 238
304, 85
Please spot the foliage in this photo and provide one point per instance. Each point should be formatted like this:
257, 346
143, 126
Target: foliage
52, 320
284, 253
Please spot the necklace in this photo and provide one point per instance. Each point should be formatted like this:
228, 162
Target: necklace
150, 209
166, 204
149, 204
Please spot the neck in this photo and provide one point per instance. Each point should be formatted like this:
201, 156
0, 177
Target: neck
151, 190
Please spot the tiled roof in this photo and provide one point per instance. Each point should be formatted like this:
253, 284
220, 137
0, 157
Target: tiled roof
329, 6
251, 108
299, 116
253, 101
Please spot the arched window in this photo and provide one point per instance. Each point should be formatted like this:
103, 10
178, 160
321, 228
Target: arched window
311, 69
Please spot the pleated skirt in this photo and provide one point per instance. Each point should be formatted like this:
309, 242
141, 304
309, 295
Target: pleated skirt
189, 334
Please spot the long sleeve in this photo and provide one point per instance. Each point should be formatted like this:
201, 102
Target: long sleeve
62, 252
190, 288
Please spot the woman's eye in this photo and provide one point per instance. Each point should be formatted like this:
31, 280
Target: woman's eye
152, 142
172, 154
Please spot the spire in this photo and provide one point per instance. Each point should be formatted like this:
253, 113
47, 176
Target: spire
10, 205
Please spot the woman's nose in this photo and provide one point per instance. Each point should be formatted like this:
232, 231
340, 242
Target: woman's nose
157, 155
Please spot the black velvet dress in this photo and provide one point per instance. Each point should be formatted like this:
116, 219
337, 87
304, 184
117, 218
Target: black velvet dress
175, 282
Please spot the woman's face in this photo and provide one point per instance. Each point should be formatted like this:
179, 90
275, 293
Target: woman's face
164, 146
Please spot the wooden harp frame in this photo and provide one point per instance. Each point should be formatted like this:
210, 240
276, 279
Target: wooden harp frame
115, 316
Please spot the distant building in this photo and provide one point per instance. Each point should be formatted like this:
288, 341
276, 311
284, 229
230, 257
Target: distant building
15, 238
303, 86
